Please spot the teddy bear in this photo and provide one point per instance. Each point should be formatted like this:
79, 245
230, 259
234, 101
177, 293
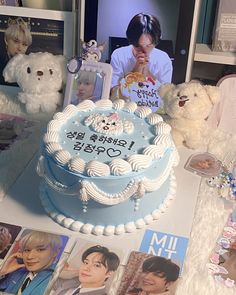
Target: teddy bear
187, 106
40, 77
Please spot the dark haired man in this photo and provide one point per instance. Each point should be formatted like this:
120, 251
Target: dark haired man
158, 273
98, 264
143, 34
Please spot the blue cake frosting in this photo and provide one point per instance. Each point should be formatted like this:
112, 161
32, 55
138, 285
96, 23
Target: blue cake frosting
107, 167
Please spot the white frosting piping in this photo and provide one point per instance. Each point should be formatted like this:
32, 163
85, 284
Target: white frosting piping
51, 137
110, 229
153, 119
89, 190
139, 162
104, 104
164, 140
86, 105
143, 112
120, 167
55, 125
96, 168
136, 162
118, 104
59, 116
70, 110
154, 151
62, 157
53, 147
109, 124
162, 128
130, 107
77, 165
109, 199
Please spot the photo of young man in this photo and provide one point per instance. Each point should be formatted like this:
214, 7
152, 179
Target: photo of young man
146, 274
97, 265
88, 85
29, 269
17, 39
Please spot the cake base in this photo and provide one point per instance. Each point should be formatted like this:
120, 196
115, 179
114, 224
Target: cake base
65, 216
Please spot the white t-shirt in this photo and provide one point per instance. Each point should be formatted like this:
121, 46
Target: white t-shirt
123, 62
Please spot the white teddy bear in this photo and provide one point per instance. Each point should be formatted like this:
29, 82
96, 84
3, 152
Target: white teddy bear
40, 76
188, 105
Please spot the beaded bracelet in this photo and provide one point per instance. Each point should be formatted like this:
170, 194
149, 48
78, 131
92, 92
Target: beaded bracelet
225, 182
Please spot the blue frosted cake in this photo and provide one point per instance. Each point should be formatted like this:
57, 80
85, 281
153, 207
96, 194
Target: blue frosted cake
106, 167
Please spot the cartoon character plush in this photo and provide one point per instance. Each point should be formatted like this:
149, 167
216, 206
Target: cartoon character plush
40, 76
187, 106
92, 51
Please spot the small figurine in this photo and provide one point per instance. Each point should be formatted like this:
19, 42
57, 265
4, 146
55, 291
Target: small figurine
92, 51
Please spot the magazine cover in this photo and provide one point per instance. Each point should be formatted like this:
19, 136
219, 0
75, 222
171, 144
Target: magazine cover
29, 266
148, 274
166, 245
90, 269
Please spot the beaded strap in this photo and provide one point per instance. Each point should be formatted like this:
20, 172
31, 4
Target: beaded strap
225, 180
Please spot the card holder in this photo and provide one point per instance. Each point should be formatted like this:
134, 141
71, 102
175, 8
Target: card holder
203, 164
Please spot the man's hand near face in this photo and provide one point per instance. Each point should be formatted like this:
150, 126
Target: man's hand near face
12, 263
142, 62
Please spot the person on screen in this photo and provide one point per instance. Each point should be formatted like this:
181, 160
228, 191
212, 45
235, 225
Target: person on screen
143, 34
158, 273
89, 86
29, 270
98, 264
17, 39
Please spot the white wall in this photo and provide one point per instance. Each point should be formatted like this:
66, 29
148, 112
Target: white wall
114, 16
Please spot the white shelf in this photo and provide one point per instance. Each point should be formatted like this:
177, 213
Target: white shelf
204, 53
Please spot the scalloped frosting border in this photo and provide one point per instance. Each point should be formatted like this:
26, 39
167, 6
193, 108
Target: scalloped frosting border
109, 230
92, 191
155, 150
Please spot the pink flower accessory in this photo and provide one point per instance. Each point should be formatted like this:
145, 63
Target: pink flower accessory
216, 269
229, 283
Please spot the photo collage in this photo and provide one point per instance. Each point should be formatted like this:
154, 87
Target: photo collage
50, 263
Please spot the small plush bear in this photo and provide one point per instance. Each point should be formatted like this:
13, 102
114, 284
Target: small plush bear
40, 76
187, 106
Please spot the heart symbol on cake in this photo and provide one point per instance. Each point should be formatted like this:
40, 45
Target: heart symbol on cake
113, 153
